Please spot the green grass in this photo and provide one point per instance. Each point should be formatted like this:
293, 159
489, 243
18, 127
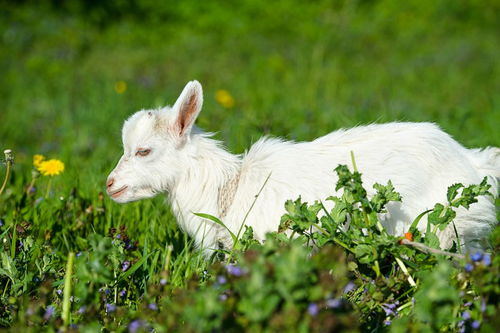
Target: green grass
295, 69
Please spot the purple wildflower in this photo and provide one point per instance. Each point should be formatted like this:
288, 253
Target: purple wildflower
110, 307
476, 256
122, 293
59, 291
487, 259
73, 326
391, 306
32, 189
107, 291
469, 267
389, 309
153, 306
387, 322
334, 303
313, 309
78, 254
82, 309
221, 279
125, 265
118, 236
466, 315
163, 282
235, 270
475, 324
483, 305
222, 297
49, 312
134, 326
349, 287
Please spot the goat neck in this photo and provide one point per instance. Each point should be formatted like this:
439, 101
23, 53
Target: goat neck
209, 168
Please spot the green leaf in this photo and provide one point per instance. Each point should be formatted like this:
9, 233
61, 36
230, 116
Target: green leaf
351, 183
441, 216
219, 222
415, 222
340, 210
453, 191
300, 217
470, 193
432, 240
246, 239
366, 254
8, 266
384, 195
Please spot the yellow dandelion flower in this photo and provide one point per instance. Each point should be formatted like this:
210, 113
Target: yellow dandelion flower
120, 87
224, 98
51, 167
37, 160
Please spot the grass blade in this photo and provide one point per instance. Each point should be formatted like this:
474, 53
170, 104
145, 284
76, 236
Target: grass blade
134, 267
219, 222
67, 289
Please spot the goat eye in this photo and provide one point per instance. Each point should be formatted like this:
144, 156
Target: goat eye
143, 152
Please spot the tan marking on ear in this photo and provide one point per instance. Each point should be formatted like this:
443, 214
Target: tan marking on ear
187, 112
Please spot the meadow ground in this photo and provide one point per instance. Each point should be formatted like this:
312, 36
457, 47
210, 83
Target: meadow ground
71, 73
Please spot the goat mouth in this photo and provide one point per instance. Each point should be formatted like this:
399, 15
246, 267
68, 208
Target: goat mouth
117, 193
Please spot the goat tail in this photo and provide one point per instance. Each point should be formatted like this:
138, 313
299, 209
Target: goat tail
487, 163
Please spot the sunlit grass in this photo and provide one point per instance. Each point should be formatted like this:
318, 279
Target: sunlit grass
297, 70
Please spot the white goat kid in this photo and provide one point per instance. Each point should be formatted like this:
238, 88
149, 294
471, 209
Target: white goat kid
164, 152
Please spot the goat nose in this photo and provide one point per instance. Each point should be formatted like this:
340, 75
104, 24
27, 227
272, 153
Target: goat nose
110, 182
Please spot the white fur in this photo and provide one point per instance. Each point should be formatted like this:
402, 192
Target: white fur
419, 158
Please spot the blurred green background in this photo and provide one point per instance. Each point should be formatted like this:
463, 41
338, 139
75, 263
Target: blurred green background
297, 69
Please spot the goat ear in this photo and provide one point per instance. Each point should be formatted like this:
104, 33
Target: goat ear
188, 106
